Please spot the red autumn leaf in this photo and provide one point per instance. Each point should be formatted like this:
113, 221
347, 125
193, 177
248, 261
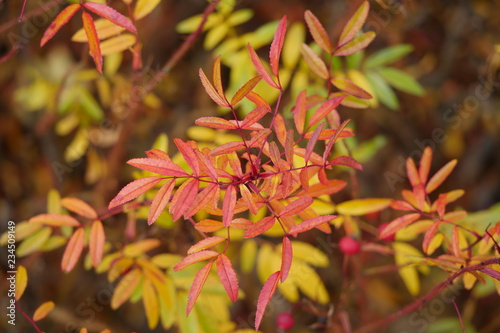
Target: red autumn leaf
355, 23
333, 186
159, 166
61, 19
398, 224
133, 189
198, 282
228, 205
234, 162
312, 142
259, 227
346, 161
156, 153
206, 164
227, 276
296, 206
194, 258
318, 32
314, 62
202, 199
56, 220
160, 201
214, 122
248, 199
96, 242
355, 45
183, 198
325, 109
299, 112
265, 296
311, 223
216, 77
227, 148
259, 138
254, 116
350, 88
73, 250
259, 66
277, 46
243, 91
286, 258
111, 15
79, 207
206, 243
440, 176
93, 40
211, 91
334, 138
189, 155
241, 223
425, 164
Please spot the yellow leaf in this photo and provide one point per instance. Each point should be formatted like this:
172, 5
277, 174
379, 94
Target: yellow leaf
309, 254
291, 48
119, 267
469, 281
436, 241
166, 260
77, 148
308, 281
104, 30
144, 7
168, 301
117, 44
125, 288
150, 302
23, 230
360, 79
248, 254
34, 242
359, 207
21, 281
138, 248
53, 202
405, 256
43, 310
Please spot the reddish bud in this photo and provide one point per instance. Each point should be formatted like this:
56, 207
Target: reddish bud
349, 245
389, 238
285, 321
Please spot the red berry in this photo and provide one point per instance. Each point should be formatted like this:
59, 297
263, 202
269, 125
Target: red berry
388, 238
349, 245
285, 321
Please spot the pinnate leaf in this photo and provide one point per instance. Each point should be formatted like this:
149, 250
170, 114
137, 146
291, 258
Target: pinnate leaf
398, 224
93, 40
311, 223
286, 258
111, 15
97, 240
56, 220
61, 19
133, 189
318, 32
355, 23
198, 282
73, 250
356, 44
277, 46
194, 258
79, 207
43, 310
265, 296
227, 276
440, 176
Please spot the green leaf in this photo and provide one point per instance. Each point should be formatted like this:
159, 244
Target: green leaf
401, 81
34, 242
382, 90
353, 61
387, 55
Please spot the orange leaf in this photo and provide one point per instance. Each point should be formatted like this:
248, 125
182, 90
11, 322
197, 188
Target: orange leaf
243, 91
318, 32
401, 205
209, 225
325, 109
227, 148
227, 276
43, 310
96, 242
355, 45
259, 227
216, 77
133, 189
198, 282
312, 142
316, 190
286, 258
234, 162
228, 205
398, 224
202, 199
259, 66
211, 91
412, 172
61, 19
257, 99
277, 46
93, 40
429, 235
254, 116
425, 164
350, 88
189, 155
160, 201
248, 198
125, 288
206, 164
73, 250
241, 223
355, 23
56, 220
206, 243
296, 206
346, 161
288, 145
299, 112
440, 176
183, 198
265, 296
159, 166
214, 122
157, 153
314, 62
111, 15
194, 258
334, 138
79, 207
259, 138
311, 223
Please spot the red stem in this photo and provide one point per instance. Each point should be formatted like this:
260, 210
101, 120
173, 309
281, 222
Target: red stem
28, 318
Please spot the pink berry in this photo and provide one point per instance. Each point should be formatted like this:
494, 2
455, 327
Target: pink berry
285, 321
349, 245
388, 238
